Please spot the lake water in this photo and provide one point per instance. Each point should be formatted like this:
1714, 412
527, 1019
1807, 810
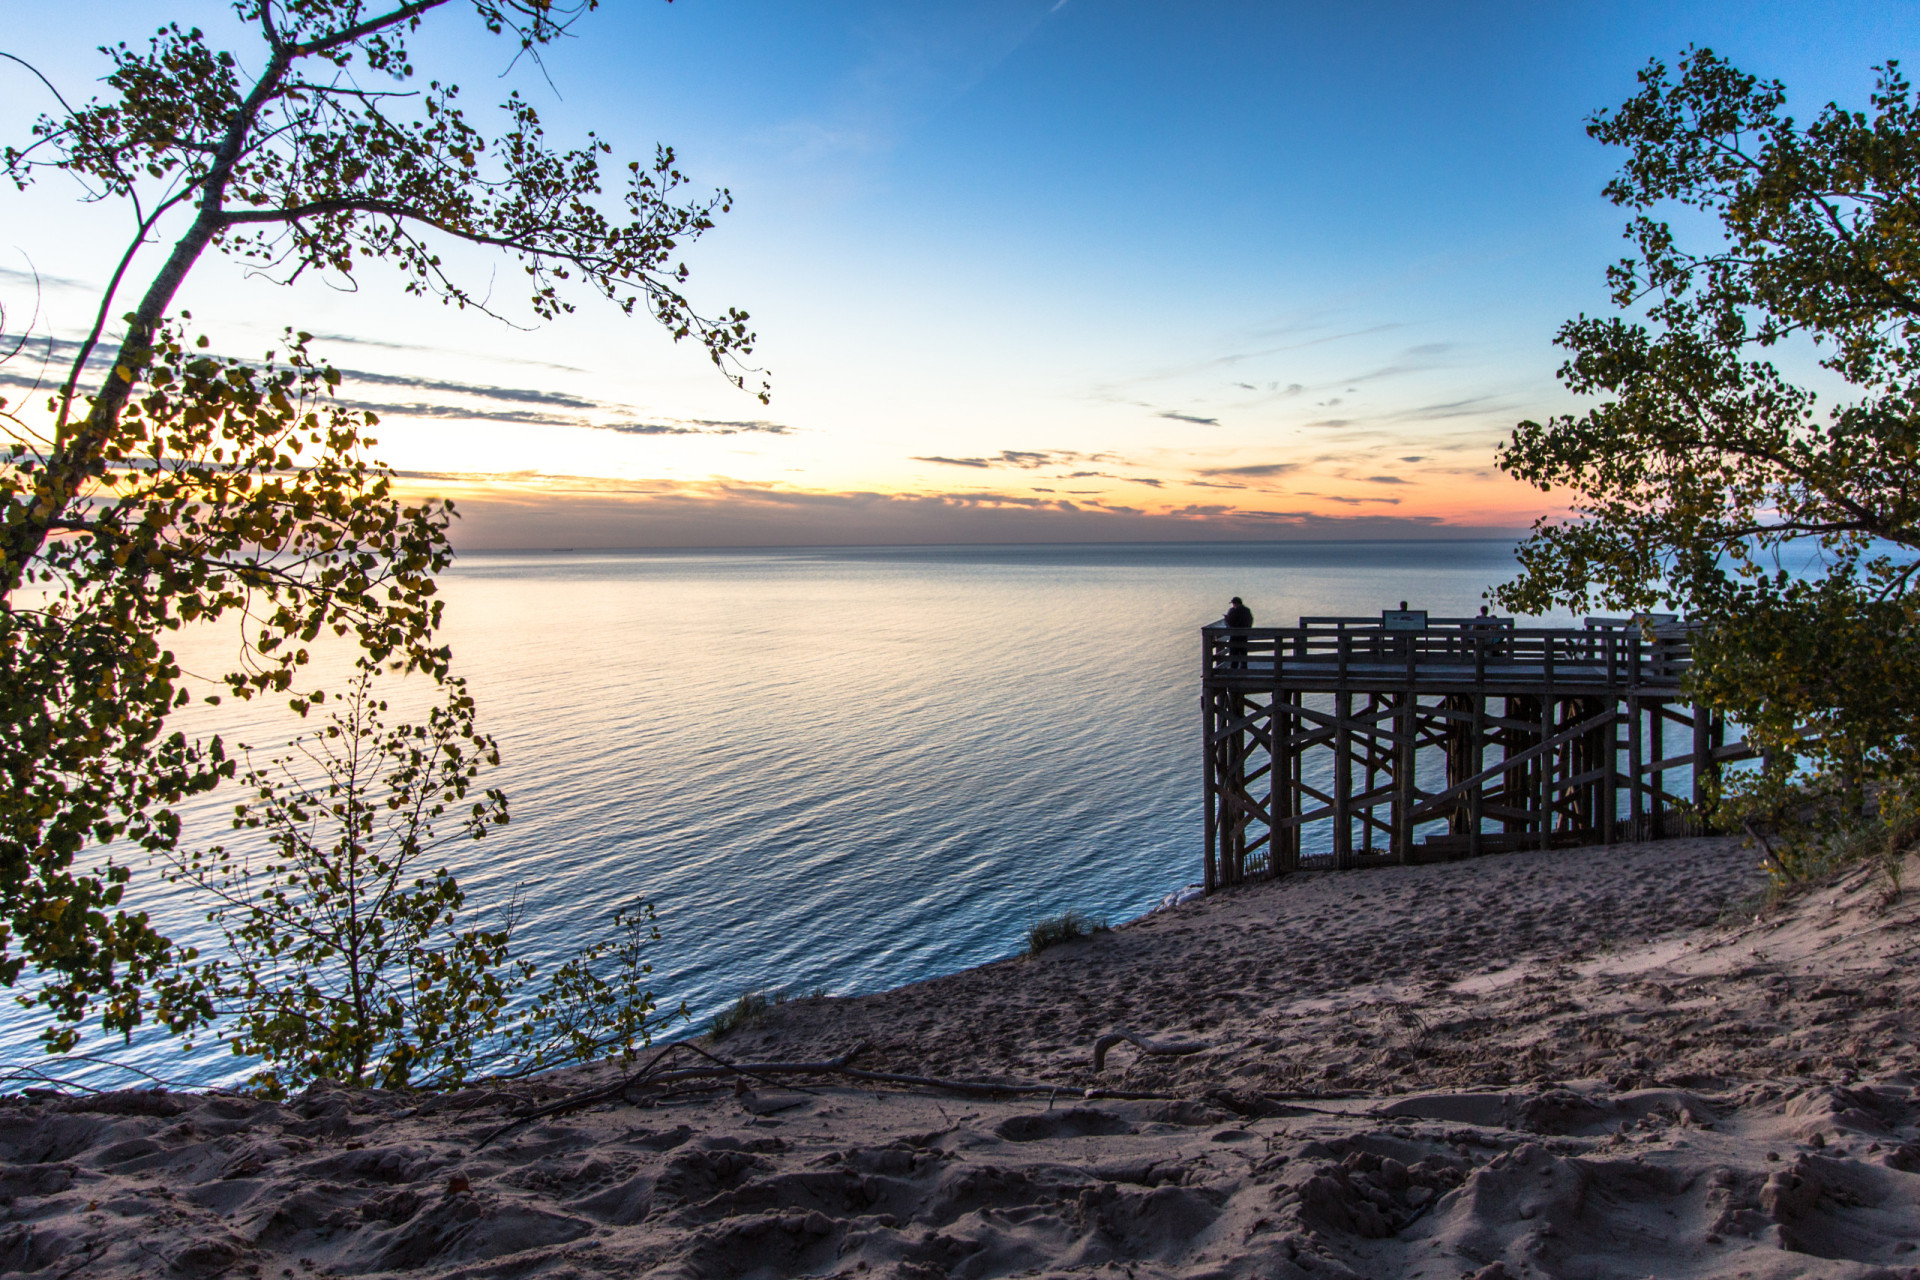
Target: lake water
847, 769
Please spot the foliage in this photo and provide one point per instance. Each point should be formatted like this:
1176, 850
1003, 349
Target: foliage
225, 489
1809, 830
1706, 480
348, 959
1065, 927
167, 488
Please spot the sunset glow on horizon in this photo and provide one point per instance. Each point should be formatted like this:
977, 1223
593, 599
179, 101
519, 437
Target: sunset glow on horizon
1027, 270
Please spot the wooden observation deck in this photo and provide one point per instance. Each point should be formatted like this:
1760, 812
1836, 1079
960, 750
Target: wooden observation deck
1349, 742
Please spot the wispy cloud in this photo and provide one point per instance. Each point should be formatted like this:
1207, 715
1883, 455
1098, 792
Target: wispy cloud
477, 390
1194, 418
981, 463
1387, 480
696, 427
1233, 358
462, 412
384, 344
481, 399
31, 278
1020, 459
1251, 471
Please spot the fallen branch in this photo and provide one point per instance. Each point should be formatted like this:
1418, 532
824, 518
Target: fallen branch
606, 1093
989, 1088
1160, 1048
648, 1078
1768, 855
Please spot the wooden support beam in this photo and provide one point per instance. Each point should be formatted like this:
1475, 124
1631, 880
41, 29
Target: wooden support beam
1656, 747
1342, 773
1520, 758
1294, 765
1302, 819
1242, 807
1210, 781
1475, 785
1370, 759
1636, 789
1705, 775
1242, 724
1403, 769
1671, 762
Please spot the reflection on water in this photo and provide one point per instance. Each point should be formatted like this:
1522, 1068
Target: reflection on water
846, 768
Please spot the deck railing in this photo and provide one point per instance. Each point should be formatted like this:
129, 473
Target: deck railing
1340, 651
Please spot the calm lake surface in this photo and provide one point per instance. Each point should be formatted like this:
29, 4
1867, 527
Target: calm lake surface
847, 769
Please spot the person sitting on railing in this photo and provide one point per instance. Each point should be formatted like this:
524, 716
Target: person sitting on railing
1238, 615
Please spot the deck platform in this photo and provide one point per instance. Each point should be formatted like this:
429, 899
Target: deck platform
1347, 742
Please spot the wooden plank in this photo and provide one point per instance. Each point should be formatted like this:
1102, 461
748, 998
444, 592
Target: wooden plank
1301, 820
1671, 762
1308, 789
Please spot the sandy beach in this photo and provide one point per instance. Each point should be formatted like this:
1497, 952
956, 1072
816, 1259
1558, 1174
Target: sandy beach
1587, 1063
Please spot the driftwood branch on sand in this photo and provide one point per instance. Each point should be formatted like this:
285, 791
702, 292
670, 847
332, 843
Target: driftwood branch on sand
652, 1077
1159, 1048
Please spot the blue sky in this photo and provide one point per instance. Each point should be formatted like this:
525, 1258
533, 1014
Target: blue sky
1020, 269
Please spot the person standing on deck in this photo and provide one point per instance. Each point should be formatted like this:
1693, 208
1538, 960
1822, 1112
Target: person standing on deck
1238, 615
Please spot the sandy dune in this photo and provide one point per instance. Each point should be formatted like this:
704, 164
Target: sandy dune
1569, 1064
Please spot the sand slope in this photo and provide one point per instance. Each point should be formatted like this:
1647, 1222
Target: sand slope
1695, 1099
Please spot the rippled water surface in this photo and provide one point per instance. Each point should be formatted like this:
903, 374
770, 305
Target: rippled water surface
847, 769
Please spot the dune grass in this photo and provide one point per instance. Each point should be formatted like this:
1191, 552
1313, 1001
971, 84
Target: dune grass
751, 1009
1065, 927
